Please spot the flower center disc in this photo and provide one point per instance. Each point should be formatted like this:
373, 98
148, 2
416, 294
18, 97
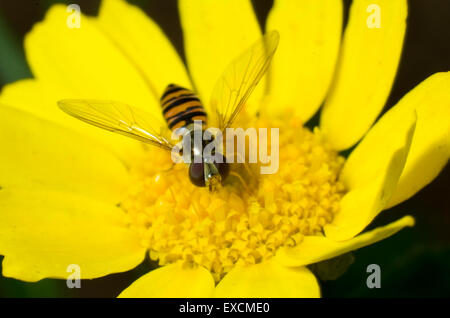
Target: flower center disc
245, 221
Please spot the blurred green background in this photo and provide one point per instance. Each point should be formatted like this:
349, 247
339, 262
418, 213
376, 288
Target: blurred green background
414, 263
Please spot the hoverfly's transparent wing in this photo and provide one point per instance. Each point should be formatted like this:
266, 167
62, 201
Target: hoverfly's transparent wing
240, 78
119, 118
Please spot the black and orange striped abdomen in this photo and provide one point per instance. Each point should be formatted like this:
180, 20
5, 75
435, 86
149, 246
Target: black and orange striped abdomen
181, 107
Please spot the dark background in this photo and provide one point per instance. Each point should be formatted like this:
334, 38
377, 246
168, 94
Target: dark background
414, 263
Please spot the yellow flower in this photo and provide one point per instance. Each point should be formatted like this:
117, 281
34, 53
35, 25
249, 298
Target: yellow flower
73, 194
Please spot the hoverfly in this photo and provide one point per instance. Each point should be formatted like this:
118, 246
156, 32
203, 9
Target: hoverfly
181, 107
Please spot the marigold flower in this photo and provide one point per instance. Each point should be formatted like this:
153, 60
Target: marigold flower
74, 194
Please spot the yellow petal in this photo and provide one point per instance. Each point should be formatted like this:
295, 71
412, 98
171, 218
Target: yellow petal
84, 61
43, 232
38, 98
144, 44
35, 97
216, 32
430, 148
366, 69
268, 280
371, 173
38, 154
302, 68
172, 281
315, 249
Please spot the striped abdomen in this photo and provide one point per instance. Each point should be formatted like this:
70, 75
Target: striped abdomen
180, 107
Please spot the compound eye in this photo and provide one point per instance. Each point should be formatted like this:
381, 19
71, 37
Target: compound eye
223, 168
197, 174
